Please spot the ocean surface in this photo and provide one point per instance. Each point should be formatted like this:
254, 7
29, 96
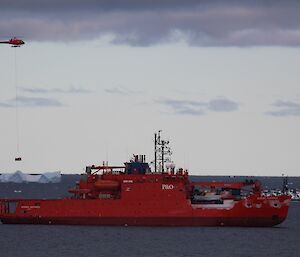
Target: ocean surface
89, 241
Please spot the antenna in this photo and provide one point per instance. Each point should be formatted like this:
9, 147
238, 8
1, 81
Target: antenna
155, 152
285, 186
162, 152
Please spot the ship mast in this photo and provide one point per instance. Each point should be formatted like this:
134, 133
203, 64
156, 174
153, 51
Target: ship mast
155, 152
162, 152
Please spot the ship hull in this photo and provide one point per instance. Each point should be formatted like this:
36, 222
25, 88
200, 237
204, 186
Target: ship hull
262, 212
130, 221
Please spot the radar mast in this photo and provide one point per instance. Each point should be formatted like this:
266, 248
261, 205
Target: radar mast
162, 152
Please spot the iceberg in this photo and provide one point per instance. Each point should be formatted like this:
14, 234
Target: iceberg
20, 177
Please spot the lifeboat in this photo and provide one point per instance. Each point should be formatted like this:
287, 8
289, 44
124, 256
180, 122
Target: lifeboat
106, 185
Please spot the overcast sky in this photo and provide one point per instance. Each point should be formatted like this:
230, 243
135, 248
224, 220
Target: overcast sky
96, 79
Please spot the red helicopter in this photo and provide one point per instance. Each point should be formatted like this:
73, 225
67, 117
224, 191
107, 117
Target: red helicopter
15, 42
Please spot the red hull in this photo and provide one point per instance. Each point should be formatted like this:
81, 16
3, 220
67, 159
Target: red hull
129, 221
125, 213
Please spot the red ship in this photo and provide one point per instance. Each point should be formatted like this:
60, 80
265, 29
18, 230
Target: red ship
133, 195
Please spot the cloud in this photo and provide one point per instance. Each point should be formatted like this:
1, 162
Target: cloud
222, 105
72, 90
285, 109
6, 105
38, 101
148, 22
32, 102
121, 91
188, 107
